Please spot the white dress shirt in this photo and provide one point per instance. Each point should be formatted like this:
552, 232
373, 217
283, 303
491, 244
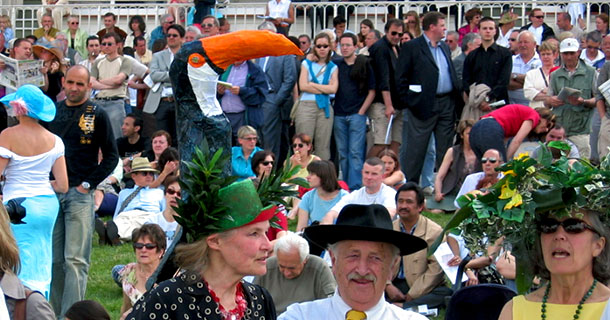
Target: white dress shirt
334, 308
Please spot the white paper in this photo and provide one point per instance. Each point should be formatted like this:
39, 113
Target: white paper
415, 88
443, 254
388, 133
604, 88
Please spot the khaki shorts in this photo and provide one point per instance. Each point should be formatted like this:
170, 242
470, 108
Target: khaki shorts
379, 124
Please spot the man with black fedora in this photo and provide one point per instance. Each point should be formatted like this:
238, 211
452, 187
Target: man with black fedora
135, 205
365, 253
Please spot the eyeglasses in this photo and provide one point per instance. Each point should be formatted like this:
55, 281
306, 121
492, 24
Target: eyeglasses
411, 21
512, 39
394, 33
250, 138
491, 160
571, 225
266, 163
173, 35
209, 25
539, 17
592, 47
74, 22
298, 145
149, 246
172, 192
146, 173
107, 44
320, 46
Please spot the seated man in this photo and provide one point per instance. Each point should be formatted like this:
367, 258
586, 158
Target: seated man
293, 275
478, 182
420, 279
135, 205
558, 133
372, 192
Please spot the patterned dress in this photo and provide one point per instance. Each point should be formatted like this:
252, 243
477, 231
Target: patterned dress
187, 297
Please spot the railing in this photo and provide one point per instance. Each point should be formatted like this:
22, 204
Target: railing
245, 15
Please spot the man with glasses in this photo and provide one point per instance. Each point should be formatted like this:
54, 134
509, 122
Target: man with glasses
452, 41
537, 26
160, 108
110, 27
384, 58
160, 32
429, 90
490, 161
135, 205
210, 26
513, 45
305, 43
109, 76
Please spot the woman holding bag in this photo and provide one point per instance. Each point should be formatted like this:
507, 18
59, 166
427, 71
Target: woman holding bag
318, 80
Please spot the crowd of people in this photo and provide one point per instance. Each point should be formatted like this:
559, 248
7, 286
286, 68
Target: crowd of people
382, 124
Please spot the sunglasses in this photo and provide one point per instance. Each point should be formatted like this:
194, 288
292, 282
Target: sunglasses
173, 35
491, 160
394, 33
146, 173
250, 138
149, 246
266, 163
107, 44
172, 192
298, 145
592, 47
512, 39
209, 25
539, 17
303, 42
74, 22
320, 46
411, 21
571, 225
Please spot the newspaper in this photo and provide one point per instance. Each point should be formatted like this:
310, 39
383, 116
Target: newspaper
443, 254
604, 88
567, 92
19, 72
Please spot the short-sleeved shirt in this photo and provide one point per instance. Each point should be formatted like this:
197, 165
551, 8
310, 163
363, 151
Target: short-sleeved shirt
168, 227
105, 68
385, 196
318, 207
512, 116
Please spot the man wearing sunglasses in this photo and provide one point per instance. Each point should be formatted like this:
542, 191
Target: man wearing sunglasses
427, 83
478, 182
537, 26
135, 205
159, 109
160, 32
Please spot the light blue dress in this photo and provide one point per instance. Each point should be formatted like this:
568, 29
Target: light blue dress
29, 177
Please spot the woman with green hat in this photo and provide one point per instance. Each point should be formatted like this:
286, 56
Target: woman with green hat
229, 243
28, 153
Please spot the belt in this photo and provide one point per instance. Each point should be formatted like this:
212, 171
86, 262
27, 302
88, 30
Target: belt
168, 99
442, 95
110, 98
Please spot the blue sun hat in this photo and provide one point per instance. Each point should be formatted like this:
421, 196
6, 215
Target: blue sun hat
31, 101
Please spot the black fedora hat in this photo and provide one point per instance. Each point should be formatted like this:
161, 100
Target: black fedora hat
364, 222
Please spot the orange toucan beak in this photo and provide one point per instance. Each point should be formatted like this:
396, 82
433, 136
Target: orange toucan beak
223, 50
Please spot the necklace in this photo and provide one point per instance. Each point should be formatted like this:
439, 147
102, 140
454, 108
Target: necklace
578, 308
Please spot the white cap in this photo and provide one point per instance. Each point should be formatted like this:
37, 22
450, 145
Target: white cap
569, 45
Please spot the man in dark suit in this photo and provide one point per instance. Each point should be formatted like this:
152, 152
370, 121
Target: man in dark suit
428, 89
281, 75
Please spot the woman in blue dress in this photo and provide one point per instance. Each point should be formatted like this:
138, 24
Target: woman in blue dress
28, 152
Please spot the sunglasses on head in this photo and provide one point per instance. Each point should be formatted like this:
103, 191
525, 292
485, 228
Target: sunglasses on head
490, 159
298, 145
149, 246
172, 192
321, 46
266, 163
394, 33
571, 225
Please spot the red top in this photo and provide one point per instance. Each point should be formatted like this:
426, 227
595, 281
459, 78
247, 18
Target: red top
512, 116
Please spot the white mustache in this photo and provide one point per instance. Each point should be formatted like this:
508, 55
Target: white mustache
356, 276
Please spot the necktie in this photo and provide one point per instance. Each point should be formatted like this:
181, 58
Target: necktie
355, 315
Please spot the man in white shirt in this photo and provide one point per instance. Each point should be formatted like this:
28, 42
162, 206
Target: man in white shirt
592, 53
365, 253
526, 60
374, 191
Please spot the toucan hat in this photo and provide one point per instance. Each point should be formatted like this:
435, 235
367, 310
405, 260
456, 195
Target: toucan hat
364, 222
38, 105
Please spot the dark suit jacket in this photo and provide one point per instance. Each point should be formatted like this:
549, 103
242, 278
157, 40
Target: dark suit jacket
417, 67
281, 74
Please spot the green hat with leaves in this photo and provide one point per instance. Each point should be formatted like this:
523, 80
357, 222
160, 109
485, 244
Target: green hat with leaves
531, 189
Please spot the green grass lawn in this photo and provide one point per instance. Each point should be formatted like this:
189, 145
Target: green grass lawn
101, 288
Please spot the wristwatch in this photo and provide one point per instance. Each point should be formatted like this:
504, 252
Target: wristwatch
85, 185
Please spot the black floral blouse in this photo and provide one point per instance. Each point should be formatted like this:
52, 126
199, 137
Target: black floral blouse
187, 297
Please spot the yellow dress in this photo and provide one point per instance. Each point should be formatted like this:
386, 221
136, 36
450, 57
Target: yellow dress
523, 309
